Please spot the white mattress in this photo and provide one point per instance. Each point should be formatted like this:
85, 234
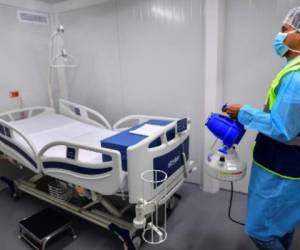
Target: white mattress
46, 128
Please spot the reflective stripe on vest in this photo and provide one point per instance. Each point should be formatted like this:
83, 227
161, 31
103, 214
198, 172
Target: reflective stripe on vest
294, 65
281, 159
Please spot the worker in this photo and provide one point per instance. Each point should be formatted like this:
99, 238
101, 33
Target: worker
273, 209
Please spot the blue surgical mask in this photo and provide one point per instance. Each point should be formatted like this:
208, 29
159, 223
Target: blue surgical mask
278, 43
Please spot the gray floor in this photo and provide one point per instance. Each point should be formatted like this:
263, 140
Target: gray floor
199, 222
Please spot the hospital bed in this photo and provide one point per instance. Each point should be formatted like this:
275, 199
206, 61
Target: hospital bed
79, 147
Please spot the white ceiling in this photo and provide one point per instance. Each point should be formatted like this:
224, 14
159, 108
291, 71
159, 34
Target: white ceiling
51, 1
51, 6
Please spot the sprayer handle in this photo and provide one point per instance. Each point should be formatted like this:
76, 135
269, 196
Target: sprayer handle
224, 107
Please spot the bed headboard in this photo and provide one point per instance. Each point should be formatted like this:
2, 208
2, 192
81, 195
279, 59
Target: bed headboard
82, 113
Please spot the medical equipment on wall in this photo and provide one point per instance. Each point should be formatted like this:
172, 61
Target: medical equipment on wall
63, 60
15, 95
59, 63
224, 163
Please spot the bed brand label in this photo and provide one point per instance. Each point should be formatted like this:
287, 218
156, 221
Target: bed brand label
172, 161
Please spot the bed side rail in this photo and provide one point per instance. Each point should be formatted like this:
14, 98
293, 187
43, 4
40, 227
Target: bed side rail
133, 120
26, 156
100, 177
163, 136
19, 114
82, 113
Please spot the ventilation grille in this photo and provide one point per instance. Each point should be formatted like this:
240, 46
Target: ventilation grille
33, 17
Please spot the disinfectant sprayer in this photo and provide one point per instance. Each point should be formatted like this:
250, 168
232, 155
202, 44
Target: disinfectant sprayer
224, 163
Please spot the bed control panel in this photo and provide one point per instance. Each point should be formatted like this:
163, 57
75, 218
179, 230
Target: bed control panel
71, 153
2, 131
182, 125
77, 111
5, 131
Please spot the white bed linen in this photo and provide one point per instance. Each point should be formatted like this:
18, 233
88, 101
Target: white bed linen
46, 128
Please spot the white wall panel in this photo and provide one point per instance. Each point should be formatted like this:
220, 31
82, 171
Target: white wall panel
23, 60
161, 44
140, 57
23, 66
91, 37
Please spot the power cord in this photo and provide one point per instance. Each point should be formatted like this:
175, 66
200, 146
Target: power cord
230, 206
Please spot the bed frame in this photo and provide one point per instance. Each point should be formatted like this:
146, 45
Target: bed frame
140, 159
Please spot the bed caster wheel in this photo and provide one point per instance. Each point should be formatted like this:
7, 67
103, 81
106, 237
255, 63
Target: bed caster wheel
137, 242
16, 196
172, 203
73, 233
125, 246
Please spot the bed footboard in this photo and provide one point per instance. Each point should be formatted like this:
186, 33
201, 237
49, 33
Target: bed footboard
170, 155
105, 178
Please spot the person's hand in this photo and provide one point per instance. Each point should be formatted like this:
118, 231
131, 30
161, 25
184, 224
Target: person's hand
232, 110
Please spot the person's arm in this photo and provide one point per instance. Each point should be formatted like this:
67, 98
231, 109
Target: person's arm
283, 123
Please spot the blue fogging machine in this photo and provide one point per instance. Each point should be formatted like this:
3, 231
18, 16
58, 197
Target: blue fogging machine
224, 163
